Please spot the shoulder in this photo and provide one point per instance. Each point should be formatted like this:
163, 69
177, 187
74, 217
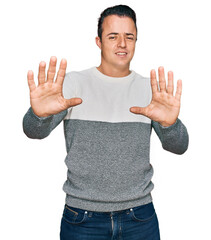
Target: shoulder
138, 75
78, 74
142, 79
74, 81
142, 87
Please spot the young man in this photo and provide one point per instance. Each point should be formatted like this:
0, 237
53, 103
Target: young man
108, 115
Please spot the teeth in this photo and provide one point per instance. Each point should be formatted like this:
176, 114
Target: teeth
121, 53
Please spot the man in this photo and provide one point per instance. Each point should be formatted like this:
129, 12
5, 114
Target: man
108, 115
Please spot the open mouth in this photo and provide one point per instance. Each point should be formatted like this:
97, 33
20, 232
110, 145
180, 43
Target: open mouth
122, 54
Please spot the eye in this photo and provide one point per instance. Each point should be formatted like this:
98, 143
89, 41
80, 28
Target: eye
130, 38
112, 37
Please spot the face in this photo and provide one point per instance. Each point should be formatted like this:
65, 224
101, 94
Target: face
118, 42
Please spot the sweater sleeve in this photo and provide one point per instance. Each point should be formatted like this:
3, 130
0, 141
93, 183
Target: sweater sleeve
40, 127
174, 138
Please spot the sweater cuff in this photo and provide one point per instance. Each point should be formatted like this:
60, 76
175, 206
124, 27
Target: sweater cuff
37, 118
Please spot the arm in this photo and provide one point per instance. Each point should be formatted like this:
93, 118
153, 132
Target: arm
174, 138
40, 127
164, 111
48, 105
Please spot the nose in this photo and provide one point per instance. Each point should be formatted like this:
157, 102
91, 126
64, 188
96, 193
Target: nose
121, 42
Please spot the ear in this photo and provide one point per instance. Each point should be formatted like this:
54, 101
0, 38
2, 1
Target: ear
98, 42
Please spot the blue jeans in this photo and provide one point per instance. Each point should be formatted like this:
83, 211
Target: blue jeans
138, 223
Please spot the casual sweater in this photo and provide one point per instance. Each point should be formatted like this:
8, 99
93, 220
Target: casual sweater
108, 147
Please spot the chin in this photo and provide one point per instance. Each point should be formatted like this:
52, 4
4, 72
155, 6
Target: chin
123, 65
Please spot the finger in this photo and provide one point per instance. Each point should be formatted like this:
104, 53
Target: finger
162, 81
52, 69
31, 83
41, 74
170, 87
72, 102
139, 110
179, 90
154, 83
62, 71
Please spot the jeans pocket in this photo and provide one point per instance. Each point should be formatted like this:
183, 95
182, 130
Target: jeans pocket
143, 213
73, 216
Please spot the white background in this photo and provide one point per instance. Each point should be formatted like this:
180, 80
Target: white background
173, 34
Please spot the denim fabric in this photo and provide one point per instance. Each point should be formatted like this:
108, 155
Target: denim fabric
138, 223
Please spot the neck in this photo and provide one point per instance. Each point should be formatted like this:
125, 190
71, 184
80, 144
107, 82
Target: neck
114, 71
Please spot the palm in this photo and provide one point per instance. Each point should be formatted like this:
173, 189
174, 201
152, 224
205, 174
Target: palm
47, 98
164, 107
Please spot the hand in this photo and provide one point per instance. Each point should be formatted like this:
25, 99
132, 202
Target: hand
164, 107
47, 99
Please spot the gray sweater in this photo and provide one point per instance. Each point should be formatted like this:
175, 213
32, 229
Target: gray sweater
108, 147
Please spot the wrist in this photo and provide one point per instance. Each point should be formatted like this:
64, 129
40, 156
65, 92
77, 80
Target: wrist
40, 116
167, 124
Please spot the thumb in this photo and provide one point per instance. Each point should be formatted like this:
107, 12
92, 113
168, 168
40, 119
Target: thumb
72, 102
139, 110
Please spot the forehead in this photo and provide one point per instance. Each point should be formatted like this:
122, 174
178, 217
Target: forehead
114, 23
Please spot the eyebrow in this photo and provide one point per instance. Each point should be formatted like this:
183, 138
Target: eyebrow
129, 34
115, 33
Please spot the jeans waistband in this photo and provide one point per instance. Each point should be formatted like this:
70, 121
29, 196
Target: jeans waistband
127, 211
